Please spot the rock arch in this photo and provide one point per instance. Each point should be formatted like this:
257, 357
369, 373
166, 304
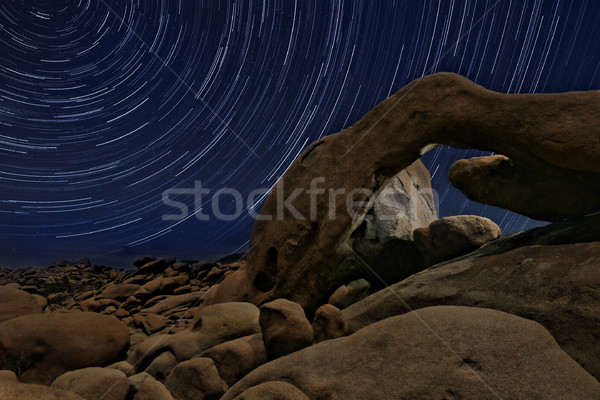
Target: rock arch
548, 137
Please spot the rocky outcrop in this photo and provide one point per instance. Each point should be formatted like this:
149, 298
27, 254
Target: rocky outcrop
548, 134
434, 353
41, 347
556, 286
454, 236
213, 325
498, 181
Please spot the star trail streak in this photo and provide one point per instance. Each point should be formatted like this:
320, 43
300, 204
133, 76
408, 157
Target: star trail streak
106, 104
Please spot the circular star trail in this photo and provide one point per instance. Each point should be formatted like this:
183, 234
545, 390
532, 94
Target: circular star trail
105, 105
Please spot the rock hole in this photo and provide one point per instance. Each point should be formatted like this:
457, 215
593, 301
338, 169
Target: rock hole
265, 279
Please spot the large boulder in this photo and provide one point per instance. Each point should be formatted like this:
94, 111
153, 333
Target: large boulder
498, 181
454, 236
295, 255
41, 347
434, 353
382, 235
557, 286
26, 391
213, 325
94, 383
16, 303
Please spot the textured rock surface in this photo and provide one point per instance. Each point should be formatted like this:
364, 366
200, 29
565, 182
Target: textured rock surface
382, 235
329, 323
25, 391
285, 328
6, 375
42, 347
498, 181
162, 365
16, 303
233, 288
454, 236
195, 379
124, 367
151, 389
94, 383
544, 133
350, 293
558, 286
475, 359
274, 390
212, 325
236, 358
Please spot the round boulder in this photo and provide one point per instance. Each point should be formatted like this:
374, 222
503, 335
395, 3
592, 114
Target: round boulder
95, 383
285, 328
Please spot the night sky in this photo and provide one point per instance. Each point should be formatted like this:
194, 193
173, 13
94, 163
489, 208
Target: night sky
105, 104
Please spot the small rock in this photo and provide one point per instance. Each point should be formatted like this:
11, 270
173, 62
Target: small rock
285, 328
232, 288
156, 266
234, 359
329, 323
151, 389
197, 378
143, 260
136, 381
350, 293
451, 237
162, 365
119, 291
150, 323
124, 367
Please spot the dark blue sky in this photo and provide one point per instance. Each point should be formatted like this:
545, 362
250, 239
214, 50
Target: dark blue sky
106, 104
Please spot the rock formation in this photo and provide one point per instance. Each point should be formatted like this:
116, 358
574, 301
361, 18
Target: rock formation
468, 314
42, 347
557, 286
459, 352
547, 135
